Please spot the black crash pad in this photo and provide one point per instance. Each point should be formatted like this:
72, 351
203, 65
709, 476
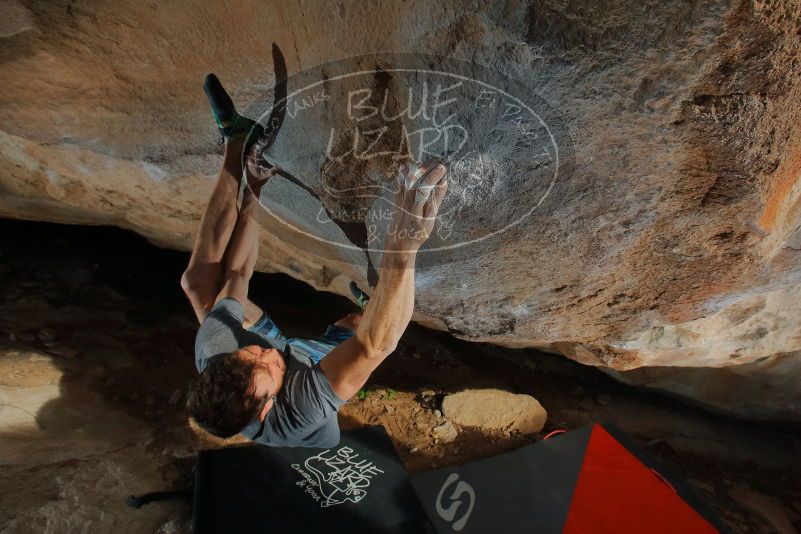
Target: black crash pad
358, 486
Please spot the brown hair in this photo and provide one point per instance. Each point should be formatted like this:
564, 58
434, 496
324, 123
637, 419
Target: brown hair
220, 399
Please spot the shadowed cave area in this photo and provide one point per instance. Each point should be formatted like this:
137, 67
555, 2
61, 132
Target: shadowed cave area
97, 352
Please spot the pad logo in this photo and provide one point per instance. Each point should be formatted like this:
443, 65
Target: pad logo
336, 477
449, 513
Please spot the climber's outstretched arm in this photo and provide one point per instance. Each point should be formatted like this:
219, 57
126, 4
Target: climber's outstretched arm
389, 311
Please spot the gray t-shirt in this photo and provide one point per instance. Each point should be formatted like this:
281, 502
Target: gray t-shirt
305, 411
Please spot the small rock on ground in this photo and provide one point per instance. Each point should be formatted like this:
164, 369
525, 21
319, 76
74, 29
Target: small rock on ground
445, 432
47, 334
494, 409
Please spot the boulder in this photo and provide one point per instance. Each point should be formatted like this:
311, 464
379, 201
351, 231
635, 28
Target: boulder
666, 250
494, 409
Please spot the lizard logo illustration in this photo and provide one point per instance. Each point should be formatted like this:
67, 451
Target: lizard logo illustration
341, 475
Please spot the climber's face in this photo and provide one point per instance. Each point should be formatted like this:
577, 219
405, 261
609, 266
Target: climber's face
268, 374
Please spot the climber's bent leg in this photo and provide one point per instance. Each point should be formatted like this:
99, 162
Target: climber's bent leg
203, 278
350, 321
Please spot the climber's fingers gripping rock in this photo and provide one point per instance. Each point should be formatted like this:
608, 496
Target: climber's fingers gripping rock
421, 190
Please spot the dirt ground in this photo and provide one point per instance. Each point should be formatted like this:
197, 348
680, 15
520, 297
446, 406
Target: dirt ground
96, 351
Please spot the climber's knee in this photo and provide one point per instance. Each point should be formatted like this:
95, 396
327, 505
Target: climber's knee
188, 283
198, 290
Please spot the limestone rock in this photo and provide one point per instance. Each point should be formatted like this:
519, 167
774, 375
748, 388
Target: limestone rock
175, 397
667, 252
445, 432
768, 508
64, 352
43, 423
46, 334
493, 409
14, 19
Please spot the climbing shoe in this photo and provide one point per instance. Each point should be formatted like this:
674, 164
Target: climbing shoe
361, 297
232, 125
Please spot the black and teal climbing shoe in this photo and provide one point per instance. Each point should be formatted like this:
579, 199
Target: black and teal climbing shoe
361, 297
232, 125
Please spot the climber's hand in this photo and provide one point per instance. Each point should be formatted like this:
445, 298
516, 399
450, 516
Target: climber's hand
421, 189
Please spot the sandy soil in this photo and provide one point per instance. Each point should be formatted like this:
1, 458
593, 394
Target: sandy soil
96, 351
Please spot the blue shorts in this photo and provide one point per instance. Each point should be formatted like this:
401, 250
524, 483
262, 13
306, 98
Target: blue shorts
315, 348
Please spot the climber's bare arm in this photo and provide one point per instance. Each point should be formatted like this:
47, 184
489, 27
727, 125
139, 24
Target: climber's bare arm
390, 309
385, 318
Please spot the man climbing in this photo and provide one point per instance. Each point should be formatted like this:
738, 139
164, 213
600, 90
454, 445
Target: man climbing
253, 380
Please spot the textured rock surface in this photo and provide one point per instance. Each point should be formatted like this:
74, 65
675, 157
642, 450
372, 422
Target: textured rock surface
494, 409
445, 432
768, 508
669, 251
